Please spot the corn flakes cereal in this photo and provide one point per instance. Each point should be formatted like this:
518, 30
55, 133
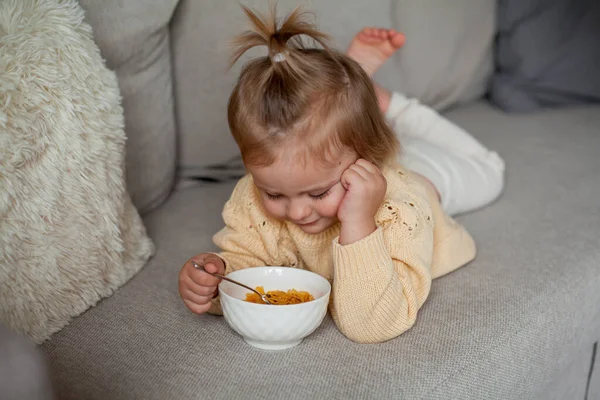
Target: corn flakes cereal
279, 297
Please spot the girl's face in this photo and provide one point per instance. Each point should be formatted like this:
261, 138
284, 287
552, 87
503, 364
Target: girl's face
308, 194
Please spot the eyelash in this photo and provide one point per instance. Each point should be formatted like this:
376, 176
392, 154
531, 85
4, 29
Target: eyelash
316, 197
322, 195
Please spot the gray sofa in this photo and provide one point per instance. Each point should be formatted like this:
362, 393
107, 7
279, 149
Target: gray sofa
520, 322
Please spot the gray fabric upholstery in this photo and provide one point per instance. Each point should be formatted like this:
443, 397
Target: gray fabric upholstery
593, 390
547, 54
23, 372
452, 63
511, 325
571, 382
135, 41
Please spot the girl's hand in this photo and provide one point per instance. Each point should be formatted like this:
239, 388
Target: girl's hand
196, 287
365, 189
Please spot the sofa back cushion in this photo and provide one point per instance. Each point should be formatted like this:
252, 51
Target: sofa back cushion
548, 54
448, 55
134, 38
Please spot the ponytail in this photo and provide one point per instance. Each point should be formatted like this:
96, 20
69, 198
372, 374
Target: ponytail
284, 42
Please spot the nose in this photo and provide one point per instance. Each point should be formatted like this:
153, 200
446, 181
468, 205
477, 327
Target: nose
298, 210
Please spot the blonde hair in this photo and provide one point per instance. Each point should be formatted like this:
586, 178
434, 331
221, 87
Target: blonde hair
316, 99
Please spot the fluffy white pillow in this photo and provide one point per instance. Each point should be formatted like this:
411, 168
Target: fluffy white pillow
69, 234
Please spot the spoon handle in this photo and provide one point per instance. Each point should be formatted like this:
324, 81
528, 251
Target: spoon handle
200, 267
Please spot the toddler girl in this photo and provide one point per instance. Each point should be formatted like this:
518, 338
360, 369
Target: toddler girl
324, 190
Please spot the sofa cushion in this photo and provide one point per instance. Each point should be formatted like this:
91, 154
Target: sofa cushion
448, 55
547, 54
69, 234
572, 382
134, 38
504, 326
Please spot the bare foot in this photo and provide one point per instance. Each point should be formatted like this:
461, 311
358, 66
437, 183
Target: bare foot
371, 47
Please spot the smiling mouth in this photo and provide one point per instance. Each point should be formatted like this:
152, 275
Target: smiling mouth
307, 224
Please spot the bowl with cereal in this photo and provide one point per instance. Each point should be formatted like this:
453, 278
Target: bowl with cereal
298, 298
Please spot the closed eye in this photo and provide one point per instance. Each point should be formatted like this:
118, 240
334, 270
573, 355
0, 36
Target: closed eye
321, 195
273, 196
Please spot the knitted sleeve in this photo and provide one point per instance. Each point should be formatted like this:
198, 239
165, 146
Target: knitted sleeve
381, 281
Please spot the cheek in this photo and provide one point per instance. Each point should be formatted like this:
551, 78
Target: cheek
328, 207
274, 208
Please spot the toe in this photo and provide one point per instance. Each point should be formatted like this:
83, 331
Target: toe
370, 36
397, 39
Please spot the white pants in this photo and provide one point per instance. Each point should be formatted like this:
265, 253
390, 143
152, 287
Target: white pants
466, 174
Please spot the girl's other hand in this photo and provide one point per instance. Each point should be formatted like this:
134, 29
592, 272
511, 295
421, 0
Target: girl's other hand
365, 189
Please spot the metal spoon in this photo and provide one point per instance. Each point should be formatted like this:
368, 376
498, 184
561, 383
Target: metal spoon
262, 296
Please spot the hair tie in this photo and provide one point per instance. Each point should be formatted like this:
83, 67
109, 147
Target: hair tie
278, 57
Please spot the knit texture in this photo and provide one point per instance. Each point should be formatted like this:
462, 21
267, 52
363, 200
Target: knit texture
69, 234
378, 283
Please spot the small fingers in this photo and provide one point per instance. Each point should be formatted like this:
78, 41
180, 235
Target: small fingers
201, 290
350, 177
188, 294
201, 278
369, 166
210, 266
197, 308
360, 171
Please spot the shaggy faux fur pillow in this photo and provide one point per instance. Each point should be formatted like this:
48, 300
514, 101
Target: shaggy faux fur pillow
69, 234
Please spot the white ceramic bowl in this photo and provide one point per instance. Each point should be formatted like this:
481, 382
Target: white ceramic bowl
273, 327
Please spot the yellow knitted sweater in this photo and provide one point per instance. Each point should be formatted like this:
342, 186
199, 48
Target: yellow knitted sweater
378, 283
